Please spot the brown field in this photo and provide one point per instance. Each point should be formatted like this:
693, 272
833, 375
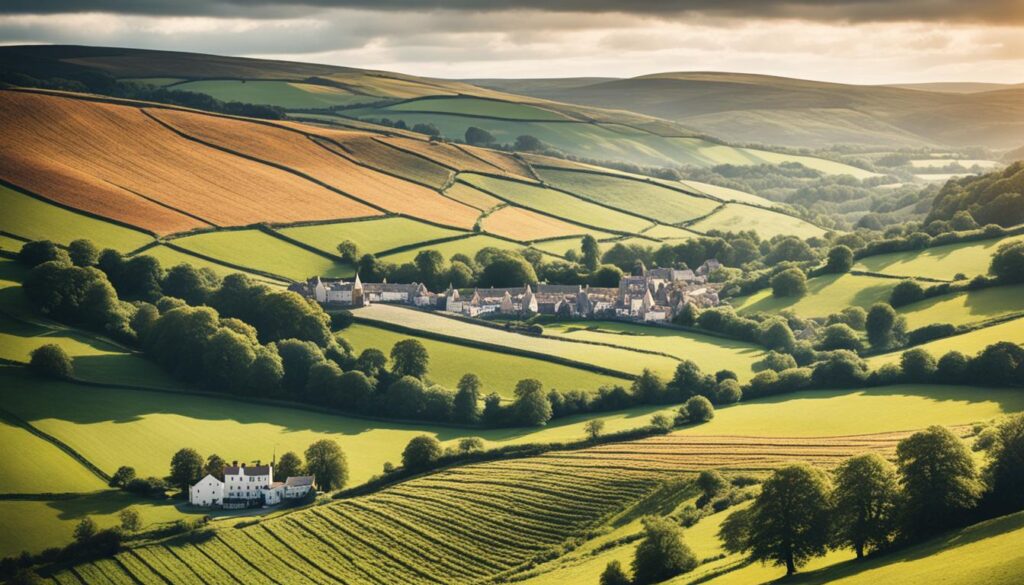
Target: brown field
114, 161
525, 225
300, 153
501, 160
472, 197
444, 154
364, 148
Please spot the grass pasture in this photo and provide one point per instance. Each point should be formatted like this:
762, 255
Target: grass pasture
373, 236
942, 262
34, 219
469, 106
468, 246
370, 151
33, 465
646, 198
968, 343
825, 295
727, 194
169, 257
966, 307
710, 353
290, 95
557, 204
275, 256
615, 358
734, 217
499, 372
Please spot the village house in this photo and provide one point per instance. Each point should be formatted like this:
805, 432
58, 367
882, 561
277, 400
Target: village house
246, 486
354, 293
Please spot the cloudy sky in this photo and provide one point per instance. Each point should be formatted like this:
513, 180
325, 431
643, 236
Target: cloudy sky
853, 41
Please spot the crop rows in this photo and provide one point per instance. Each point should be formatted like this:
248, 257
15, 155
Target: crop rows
462, 525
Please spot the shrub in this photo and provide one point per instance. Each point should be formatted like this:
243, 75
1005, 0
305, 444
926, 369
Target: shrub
839, 336
699, 409
918, 365
905, 293
662, 554
51, 361
421, 453
35, 253
840, 259
791, 282
728, 392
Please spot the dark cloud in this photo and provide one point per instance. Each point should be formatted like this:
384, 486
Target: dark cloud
1001, 12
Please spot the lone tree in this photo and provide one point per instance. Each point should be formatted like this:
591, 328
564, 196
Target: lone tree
790, 518
51, 361
1005, 472
130, 520
420, 453
699, 409
186, 469
594, 428
662, 554
349, 251
840, 260
326, 462
532, 407
940, 482
478, 136
591, 253
409, 358
290, 465
865, 500
791, 282
614, 575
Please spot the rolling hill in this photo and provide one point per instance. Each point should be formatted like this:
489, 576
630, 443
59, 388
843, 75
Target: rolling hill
794, 112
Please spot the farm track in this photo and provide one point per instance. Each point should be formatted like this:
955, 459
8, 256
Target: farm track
465, 524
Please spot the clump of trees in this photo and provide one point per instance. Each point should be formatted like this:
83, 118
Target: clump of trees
51, 361
870, 505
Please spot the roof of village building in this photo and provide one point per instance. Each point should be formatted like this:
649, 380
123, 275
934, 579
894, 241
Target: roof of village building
243, 469
299, 481
381, 287
559, 289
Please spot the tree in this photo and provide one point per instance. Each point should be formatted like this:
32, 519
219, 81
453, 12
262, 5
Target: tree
186, 469
467, 399
649, 388
775, 334
591, 253
420, 453
728, 392
409, 358
471, 445
791, 249
35, 253
355, 392
606, 275
1007, 263
131, 521
791, 282
527, 143
613, 574
215, 466
139, 278
290, 465
594, 428
405, 398
699, 409
790, 518
532, 407
952, 367
906, 292
326, 462
432, 269
227, 354
711, 483
429, 129
661, 554
884, 326
85, 529
839, 336
688, 380
122, 477
865, 500
508, 270
83, 253
1005, 472
460, 275
266, 372
840, 369
372, 362
840, 260
999, 363
51, 361
191, 284
918, 365
478, 136
939, 481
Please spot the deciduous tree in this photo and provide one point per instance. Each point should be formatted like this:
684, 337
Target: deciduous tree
326, 462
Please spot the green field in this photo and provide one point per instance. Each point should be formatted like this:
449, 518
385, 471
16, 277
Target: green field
290, 95
943, 262
614, 358
169, 257
34, 219
499, 372
968, 343
668, 232
966, 307
825, 295
463, 193
253, 249
34, 525
642, 197
768, 224
727, 194
557, 204
468, 246
710, 353
373, 236
33, 465
478, 107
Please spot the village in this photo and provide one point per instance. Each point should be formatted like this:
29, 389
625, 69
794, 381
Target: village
655, 295
247, 486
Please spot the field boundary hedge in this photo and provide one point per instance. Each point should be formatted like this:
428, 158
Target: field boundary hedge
67, 449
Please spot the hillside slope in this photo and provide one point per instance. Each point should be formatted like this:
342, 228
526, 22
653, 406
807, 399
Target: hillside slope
795, 112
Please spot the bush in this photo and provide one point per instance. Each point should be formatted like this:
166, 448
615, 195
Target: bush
775, 361
35, 253
51, 361
1008, 262
905, 293
918, 366
699, 409
840, 259
840, 336
728, 392
930, 332
791, 282
421, 453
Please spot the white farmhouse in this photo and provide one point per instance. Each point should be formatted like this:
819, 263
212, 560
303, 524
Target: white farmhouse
297, 487
208, 492
247, 483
